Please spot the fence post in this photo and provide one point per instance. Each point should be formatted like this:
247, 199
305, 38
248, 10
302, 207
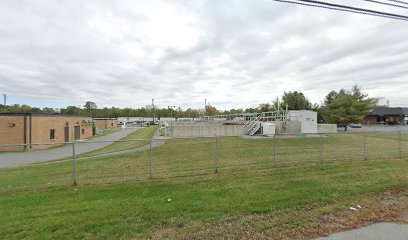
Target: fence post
364, 146
151, 159
274, 149
216, 154
400, 144
74, 175
321, 148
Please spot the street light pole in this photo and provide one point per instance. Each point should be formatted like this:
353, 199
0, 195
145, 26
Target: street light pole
171, 111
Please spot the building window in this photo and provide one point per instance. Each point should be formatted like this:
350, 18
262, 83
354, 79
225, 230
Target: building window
52, 134
83, 131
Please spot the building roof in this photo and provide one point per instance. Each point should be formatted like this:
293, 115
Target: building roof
381, 111
42, 115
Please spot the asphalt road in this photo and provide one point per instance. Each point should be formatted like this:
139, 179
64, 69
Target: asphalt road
378, 231
376, 128
23, 158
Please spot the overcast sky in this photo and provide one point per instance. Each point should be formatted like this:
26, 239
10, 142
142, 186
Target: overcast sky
233, 53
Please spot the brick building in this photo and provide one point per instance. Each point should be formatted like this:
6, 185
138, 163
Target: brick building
105, 123
26, 128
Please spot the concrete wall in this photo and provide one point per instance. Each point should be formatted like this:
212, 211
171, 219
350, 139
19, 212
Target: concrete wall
226, 128
326, 128
287, 127
196, 129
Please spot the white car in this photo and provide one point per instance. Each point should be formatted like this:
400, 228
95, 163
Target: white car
355, 125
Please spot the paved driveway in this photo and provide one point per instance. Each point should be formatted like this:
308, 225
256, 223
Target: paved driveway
22, 158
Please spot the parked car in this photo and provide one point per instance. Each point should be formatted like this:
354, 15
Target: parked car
355, 125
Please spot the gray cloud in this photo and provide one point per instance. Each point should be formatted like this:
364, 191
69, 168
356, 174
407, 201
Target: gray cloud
234, 53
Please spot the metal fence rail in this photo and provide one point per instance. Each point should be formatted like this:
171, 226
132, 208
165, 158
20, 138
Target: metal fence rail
142, 159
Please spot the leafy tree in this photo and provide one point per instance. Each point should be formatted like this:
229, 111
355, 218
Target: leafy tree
211, 110
90, 106
71, 110
250, 110
47, 110
295, 101
265, 107
347, 106
319, 109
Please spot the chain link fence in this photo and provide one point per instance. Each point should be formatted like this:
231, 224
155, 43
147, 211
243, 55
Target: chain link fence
143, 159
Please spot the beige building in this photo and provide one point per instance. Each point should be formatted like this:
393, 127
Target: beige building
105, 123
26, 128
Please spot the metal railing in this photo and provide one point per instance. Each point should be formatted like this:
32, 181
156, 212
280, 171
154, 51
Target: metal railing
281, 115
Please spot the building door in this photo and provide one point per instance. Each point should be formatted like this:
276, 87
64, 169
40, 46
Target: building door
77, 132
66, 134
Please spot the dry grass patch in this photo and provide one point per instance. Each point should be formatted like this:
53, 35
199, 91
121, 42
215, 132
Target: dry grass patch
311, 221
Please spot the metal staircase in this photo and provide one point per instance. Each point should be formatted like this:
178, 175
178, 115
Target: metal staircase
252, 126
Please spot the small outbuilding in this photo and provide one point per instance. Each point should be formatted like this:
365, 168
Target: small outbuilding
385, 115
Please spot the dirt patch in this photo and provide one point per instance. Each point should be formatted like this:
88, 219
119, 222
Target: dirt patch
312, 221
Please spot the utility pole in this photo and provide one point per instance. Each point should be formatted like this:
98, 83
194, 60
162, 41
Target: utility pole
5, 99
153, 110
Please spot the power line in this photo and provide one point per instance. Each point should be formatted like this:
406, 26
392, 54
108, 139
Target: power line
354, 8
340, 9
388, 4
345, 9
401, 2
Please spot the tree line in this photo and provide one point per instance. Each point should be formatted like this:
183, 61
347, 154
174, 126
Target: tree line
341, 107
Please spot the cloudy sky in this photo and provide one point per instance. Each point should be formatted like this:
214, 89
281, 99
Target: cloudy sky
233, 53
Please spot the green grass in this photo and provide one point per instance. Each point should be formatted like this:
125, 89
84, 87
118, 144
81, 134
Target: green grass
145, 134
104, 133
138, 210
116, 200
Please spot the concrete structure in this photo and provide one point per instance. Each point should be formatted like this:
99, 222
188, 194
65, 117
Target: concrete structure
265, 123
287, 122
201, 129
288, 127
268, 128
307, 119
326, 128
105, 123
25, 128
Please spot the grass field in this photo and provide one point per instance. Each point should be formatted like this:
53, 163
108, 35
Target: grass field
144, 133
105, 132
115, 198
